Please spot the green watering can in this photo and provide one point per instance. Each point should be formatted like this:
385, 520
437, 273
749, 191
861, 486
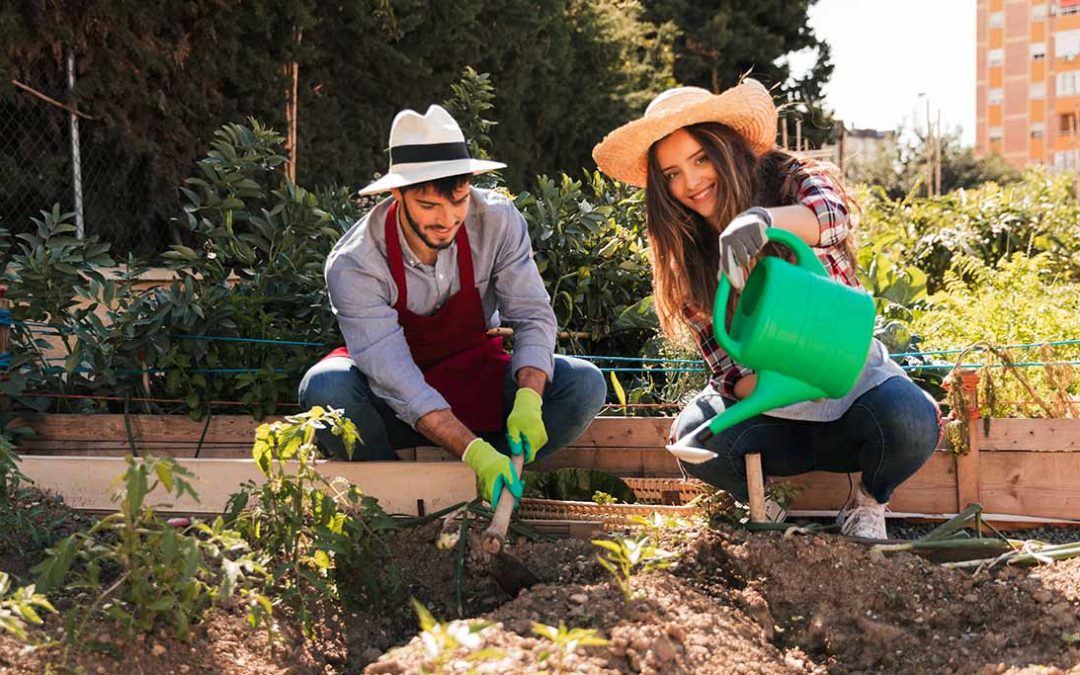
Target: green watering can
805, 335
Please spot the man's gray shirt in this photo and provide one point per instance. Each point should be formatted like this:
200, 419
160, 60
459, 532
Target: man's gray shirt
362, 295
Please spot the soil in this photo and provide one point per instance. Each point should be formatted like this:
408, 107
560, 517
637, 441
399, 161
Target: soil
734, 602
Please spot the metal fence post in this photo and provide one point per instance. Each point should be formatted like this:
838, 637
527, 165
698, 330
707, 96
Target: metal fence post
76, 159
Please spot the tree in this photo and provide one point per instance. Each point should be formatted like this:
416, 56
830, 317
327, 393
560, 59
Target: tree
722, 40
903, 171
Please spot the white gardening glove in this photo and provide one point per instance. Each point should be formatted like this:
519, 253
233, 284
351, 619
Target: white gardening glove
741, 240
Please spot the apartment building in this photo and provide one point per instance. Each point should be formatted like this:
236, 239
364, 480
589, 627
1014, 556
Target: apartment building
1028, 81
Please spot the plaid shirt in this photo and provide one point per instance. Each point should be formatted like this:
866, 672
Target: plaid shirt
819, 192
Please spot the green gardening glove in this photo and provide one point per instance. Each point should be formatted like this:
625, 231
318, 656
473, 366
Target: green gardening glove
494, 471
525, 428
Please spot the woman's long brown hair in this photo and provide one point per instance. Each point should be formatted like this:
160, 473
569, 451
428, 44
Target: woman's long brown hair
683, 246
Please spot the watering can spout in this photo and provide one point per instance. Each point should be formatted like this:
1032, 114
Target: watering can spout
773, 390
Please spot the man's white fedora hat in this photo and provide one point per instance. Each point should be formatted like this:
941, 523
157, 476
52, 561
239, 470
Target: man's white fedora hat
426, 147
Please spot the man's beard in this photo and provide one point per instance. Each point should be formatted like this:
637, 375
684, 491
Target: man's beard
419, 232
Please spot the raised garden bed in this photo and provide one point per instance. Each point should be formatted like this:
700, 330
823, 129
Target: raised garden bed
1015, 467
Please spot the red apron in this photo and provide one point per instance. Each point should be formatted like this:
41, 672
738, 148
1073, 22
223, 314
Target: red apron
452, 347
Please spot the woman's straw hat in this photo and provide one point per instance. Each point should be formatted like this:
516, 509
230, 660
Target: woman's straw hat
747, 108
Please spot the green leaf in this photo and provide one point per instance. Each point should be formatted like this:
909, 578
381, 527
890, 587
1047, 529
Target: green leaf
164, 474
620, 393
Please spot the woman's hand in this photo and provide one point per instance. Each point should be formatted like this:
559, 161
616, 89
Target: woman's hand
741, 240
745, 386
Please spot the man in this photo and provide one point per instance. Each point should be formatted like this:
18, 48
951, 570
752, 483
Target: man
415, 285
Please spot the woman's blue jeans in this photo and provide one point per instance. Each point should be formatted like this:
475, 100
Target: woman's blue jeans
571, 401
887, 434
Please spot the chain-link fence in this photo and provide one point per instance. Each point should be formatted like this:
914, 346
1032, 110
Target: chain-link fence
40, 167
35, 159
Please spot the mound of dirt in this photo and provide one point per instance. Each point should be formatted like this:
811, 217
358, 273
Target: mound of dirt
763, 602
735, 602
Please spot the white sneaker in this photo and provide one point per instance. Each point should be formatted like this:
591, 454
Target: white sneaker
866, 519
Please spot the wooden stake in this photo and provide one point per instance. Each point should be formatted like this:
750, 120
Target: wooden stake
291, 110
755, 484
840, 148
798, 135
937, 146
784, 134
968, 483
929, 152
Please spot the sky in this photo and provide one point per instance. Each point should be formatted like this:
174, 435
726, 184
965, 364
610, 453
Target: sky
887, 52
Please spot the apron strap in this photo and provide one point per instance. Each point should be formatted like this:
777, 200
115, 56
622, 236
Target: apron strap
394, 258
464, 260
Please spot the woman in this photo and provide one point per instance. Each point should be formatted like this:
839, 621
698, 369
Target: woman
714, 183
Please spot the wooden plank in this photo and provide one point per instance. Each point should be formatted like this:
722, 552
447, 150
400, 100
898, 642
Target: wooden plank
654, 462
1031, 435
86, 482
625, 432
1046, 485
648, 432
931, 490
149, 428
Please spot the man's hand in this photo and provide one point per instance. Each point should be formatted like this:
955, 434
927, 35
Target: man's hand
494, 471
525, 427
741, 240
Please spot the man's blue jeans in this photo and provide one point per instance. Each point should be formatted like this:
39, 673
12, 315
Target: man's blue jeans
887, 434
571, 401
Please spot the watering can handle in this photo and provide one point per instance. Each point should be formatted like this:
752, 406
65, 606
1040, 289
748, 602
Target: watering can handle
804, 255
804, 258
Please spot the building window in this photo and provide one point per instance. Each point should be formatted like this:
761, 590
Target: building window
996, 96
1037, 90
1067, 124
1071, 8
1067, 44
995, 133
996, 56
997, 20
1038, 12
1038, 130
1038, 50
1065, 159
1066, 83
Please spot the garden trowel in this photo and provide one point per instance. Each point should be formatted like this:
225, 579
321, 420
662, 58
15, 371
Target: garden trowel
510, 573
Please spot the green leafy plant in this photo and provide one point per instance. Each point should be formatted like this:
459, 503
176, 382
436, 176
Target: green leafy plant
574, 484
566, 641
294, 516
315, 531
443, 641
20, 607
625, 557
11, 477
145, 574
660, 526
